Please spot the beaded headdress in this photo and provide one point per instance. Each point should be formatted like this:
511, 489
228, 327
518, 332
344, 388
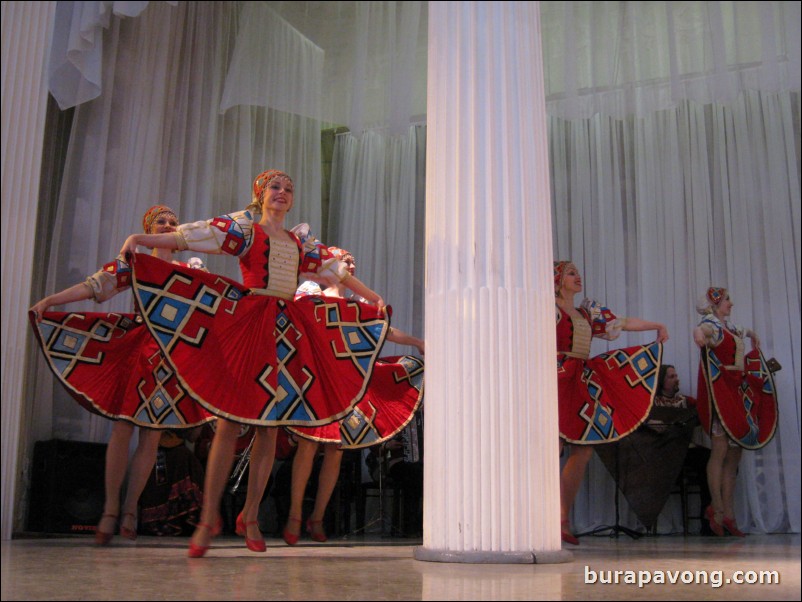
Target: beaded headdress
559, 272
151, 214
716, 294
341, 254
263, 179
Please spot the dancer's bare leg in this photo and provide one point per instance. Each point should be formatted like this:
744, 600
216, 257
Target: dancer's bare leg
218, 469
261, 465
116, 467
715, 473
729, 476
571, 477
301, 469
327, 480
141, 466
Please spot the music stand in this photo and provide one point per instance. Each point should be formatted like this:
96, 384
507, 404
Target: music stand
616, 529
380, 517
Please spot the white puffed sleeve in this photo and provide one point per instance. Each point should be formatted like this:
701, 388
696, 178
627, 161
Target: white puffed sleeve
318, 263
230, 234
111, 279
603, 322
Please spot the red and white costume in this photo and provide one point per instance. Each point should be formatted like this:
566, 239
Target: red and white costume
606, 397
251, 352
111, 364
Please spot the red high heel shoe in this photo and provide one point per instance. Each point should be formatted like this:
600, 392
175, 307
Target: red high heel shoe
715, 526
241, 529
125, 531
101, 537
316, 534
196, 551
291, 538
731, 526
239, 526
566, 535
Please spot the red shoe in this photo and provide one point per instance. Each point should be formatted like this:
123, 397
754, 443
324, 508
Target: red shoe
125, 531
196, 551
732, 527
291, 538
316, 534
715, 526
566, 535
241, 529
239, 526
101, 537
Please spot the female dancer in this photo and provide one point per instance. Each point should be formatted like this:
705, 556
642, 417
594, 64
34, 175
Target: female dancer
603, 398
737, 402
251, 354
150, 398
390, 403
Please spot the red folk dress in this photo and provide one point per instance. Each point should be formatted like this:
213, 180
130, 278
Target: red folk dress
736, 387
111, 364
606, 397
394, 395
250, 352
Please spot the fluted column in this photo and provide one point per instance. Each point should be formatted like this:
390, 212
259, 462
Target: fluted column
491, 473
26, 29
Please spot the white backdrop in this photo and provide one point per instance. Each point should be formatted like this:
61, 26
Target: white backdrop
695, 182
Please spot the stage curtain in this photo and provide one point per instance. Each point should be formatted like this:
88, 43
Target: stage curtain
377, 212
635, 58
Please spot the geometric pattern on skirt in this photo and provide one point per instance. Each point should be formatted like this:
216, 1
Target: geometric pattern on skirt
745, 401
394, 394
259, 359
606, 397
111, 365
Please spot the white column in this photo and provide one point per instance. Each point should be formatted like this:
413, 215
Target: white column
491, 476
26, 31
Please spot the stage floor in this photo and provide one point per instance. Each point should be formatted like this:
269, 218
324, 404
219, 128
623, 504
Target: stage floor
73, 568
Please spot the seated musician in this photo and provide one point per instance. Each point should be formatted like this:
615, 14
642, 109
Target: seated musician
668, 396
673, 409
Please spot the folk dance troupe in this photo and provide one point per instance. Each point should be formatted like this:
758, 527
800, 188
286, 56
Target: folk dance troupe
268, 354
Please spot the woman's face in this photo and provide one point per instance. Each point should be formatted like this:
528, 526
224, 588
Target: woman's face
278, 195
572, 281
164, 222
724, 309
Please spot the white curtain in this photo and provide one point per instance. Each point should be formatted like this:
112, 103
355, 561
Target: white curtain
656, 209
634, 58
374, 74
377, 212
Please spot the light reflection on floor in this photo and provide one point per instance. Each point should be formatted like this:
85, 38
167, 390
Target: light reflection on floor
70, 568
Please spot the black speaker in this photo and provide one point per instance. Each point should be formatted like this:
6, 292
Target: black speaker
67, 491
